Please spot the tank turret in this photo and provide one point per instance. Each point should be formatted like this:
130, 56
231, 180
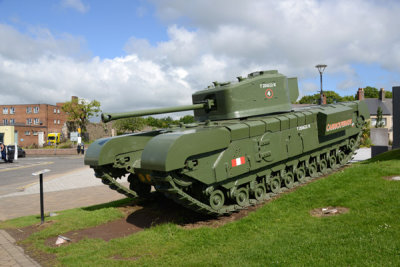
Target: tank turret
262, 92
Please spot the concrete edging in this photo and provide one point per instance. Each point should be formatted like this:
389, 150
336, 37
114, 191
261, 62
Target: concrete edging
58, 151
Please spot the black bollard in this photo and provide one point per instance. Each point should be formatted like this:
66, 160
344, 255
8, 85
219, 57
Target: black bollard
40, 173
41, 199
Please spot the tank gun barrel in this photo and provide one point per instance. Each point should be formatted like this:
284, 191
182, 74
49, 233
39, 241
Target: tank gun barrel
106, 117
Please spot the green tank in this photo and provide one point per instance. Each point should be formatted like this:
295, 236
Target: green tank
247, 145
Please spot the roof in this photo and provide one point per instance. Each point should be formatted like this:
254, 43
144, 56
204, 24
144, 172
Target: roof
374, 103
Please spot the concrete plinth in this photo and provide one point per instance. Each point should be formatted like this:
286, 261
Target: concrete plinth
376, 150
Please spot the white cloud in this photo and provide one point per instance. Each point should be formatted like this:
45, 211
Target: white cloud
291, 36
121, 83
75, 4
296, 33
205, 44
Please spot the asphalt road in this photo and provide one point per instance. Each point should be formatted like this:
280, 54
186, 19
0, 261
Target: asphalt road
14, 176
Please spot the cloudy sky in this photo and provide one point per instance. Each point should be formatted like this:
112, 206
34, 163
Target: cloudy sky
140, 54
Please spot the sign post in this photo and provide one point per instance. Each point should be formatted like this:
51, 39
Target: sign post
15, 151
40, 173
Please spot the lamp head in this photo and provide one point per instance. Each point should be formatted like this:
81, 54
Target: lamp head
321, 67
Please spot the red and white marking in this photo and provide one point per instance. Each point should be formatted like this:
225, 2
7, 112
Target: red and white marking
269, 93
238, 161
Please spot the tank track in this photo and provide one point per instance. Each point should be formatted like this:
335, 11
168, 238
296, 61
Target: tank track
165, 184
108, 179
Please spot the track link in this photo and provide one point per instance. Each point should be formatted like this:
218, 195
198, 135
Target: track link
109, 180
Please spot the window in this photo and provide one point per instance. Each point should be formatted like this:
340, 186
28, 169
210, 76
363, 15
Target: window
5, 122
58, 122
55, 111
12, 110
27, 133
36, 110
55, 121
36, 121
58, 111
12, 121
28, 110
5, 110
29, 121
35, 133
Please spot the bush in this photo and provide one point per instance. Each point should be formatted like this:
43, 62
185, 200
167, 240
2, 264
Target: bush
366, 142
67, 144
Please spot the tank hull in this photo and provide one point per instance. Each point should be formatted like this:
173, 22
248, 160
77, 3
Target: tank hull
222, 166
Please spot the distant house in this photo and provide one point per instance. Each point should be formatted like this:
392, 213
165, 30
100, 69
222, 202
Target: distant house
31, 122
386, 106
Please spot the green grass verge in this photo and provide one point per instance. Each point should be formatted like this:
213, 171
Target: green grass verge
280, 233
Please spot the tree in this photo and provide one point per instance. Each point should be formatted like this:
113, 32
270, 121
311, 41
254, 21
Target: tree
129, 125
371, 92
331, 97
187, 119
155, 123
379, 118
348, 98
388, 94
309, 99
79, 112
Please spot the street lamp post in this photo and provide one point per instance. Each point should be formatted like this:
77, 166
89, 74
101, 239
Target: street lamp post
321, 68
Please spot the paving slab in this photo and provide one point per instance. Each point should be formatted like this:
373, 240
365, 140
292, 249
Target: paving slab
11, 254
29, 204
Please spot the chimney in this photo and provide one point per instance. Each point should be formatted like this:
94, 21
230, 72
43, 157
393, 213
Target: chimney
382, 94
74, 98
360, 94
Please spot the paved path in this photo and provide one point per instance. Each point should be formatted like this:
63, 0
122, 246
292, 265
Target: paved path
362, 154
78, 188
11, 254
75, 189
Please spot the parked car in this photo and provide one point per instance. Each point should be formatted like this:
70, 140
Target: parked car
21, 152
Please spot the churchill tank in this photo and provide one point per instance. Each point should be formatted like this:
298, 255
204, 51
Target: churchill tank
247, 145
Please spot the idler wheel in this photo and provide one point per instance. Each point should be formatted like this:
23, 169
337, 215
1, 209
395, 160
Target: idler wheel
288, 179
242, 197
259, 192
217, 199
301, 174
275, 185
312, 169
323, 166
332, 162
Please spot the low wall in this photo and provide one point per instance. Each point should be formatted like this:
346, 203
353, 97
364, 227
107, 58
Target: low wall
58, 151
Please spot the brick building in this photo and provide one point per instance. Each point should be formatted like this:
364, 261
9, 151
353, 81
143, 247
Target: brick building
32, 122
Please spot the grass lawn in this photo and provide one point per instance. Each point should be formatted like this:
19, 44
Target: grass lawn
280, 233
